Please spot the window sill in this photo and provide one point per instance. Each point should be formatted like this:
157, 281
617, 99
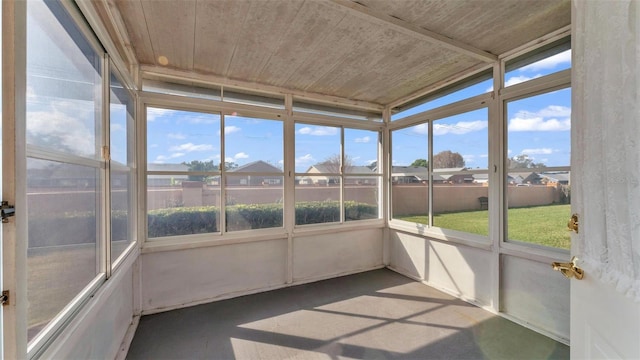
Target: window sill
443, 235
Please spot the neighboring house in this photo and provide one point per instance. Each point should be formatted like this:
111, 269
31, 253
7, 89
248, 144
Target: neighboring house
167, 180
554, 178
409, 174
527, 177
324, 179
451, 176
254, 174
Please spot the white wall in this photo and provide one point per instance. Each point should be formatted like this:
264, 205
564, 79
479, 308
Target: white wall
178, 278
525, 289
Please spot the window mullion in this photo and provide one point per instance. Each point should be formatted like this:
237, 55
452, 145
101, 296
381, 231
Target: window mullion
223, 179
105, 223
430, 171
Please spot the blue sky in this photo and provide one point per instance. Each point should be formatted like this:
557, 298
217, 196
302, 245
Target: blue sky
538, 127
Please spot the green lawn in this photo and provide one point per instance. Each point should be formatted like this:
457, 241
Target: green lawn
544, 225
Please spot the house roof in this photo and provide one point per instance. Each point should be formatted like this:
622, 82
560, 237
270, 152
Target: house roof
258, 167
365, 53
322, 168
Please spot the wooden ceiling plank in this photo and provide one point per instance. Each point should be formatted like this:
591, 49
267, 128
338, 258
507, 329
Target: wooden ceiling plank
264, 26
218, 28
414, 30
310, 30
136, 25
171, 28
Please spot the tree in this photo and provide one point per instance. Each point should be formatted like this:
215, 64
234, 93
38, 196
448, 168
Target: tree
200, 166
332, 164
447, 159
420, 163
523, 161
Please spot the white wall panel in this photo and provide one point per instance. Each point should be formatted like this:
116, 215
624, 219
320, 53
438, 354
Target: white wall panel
532, 292
460, 270
322, 256
172, 279
100, 327
407, 254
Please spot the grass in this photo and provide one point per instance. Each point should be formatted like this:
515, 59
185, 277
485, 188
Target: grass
543, 225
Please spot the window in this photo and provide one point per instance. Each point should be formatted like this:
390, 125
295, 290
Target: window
254, 153
186, 169
460, 175
546, 60
64, 165
183, 172
451, 179
476, 85
336, 174
538, 159
122, 166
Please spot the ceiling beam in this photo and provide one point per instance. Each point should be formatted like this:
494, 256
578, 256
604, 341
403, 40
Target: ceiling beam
414, 30
176, 74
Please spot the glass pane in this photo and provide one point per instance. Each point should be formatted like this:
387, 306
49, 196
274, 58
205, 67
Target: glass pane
317, 199
461, 202
361, 151
461, 142
63, 83
183, 140
122, 214
177, 206
361, 198
410, 173
539, 137
547, 60
121, 125
63, 213
254, 201
447, 97
253, 145
317, 149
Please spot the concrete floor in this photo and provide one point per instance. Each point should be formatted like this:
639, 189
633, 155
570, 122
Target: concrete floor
373, 315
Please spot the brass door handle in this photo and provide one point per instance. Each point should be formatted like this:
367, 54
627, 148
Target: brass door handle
569, 269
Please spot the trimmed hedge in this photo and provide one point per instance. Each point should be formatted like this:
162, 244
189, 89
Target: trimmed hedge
80, 227
196, 220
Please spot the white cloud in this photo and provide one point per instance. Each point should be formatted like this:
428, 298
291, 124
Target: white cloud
177, 136
365, 139
240, 155
190, 147
161, 158
550, 62
555, 111
422, 129
63, 127
469, 158
459, 128
318, 131
551, 118
203, 119
154, 113
305, 159
231, 129
541, 151
517, 80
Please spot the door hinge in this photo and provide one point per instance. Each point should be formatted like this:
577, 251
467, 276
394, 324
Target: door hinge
7, 211
4, 299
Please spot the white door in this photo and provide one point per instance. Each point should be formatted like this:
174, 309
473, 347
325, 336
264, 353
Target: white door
605, 304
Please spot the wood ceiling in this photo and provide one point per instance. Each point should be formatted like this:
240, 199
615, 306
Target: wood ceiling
371, 51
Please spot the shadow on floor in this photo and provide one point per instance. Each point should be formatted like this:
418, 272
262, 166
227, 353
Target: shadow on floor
373, 315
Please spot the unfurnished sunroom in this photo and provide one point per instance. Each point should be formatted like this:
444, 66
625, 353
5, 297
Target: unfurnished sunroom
369, 161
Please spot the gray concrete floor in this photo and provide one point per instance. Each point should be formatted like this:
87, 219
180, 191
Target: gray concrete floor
373, 315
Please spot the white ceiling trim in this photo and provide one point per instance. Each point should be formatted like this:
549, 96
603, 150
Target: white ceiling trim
413, 30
